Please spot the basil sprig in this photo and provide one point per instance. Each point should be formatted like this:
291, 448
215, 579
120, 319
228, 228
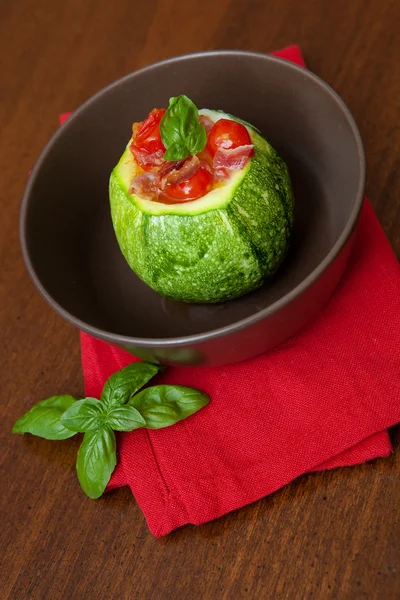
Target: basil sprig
181, 131
61, 417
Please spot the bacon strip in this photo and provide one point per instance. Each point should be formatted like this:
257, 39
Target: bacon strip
145, 185
232, 159
170, 165
207, 122
182, 172
227, 160
144, 158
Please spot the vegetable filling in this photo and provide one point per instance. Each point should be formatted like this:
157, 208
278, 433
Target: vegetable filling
181, 155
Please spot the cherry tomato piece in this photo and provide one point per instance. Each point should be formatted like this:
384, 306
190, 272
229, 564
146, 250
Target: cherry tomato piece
227, 134
195, 187
147, 136
147, 146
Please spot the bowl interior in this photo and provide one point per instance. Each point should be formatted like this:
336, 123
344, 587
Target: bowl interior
67, 231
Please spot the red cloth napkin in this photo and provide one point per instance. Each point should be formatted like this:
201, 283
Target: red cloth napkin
323, 399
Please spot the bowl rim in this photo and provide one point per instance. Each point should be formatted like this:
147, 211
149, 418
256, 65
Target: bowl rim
140, 342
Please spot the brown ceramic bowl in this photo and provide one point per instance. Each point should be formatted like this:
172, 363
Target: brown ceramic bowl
68, 240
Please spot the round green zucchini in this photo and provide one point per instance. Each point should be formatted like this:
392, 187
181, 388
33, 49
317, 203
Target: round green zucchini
213, 249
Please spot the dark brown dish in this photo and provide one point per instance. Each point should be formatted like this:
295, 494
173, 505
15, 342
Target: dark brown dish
68, 240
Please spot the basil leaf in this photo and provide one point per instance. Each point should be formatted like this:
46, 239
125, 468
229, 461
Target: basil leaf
125, 418
170, 127
176, 151
165, 405
84, 415
181, 131
197, 140
126, 382
96, 461
44, 419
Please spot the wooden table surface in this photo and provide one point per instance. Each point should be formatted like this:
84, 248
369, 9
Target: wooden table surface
327, 535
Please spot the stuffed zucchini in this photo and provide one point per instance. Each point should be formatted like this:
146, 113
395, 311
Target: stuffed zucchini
201, 204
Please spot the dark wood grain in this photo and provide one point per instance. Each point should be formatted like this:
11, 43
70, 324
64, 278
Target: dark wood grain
327, 535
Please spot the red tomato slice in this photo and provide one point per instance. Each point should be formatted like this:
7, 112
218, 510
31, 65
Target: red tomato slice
227, 134
148, 135
195, 187
147, 144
